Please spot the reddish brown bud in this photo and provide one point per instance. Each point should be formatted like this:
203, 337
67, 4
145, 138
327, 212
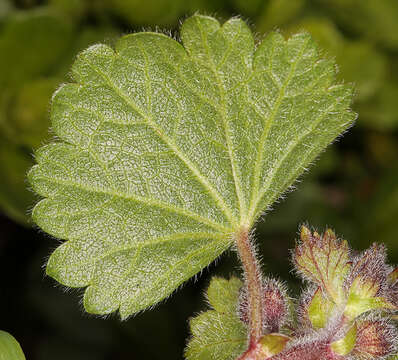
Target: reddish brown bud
393, 276
311, 350
375, 339
393, 286
370, 266
276, 305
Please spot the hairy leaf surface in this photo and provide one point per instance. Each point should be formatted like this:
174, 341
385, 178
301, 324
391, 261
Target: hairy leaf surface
166, 149
218, 334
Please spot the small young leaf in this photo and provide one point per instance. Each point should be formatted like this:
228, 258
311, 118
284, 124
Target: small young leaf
375, 339
369, 283
319, 309
218, 334
363, 297
345, 345
10, 348
324, 260
221, 294
168, 149
272, 344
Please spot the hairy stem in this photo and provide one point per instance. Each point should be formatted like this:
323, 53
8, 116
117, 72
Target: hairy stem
254, 286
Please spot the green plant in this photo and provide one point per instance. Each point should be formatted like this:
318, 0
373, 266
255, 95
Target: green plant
168, 155
9, 348
338, 316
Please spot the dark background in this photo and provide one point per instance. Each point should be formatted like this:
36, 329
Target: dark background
352, 187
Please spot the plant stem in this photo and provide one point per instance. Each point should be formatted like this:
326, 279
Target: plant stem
254, 286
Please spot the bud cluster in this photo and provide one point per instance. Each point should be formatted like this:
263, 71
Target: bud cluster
347, 310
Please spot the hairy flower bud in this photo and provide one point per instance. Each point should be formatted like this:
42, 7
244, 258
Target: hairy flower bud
370, 267
375, 339
276, 305
392, 291
308, 350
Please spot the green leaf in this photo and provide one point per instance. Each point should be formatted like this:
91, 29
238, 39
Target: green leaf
362, 298
272, 344
9, 347
346, 344
319, 309
368, 77
222, 294
325, 261
218, 334
168, 149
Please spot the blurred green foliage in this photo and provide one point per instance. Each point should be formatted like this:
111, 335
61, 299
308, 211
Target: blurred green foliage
353, 187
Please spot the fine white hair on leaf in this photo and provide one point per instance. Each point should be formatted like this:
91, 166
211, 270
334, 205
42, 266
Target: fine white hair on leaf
161, 156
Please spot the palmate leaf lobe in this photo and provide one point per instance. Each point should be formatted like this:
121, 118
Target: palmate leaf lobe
167, 149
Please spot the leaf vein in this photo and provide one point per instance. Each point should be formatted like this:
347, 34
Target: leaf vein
139, 199
265, 133
227, 131
210, 190
289, 150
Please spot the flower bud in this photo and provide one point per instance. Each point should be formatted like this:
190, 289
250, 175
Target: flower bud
392, 291
308, 350
276, 305
370, 267
375, 339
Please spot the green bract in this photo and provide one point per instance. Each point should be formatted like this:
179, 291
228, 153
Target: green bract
166, 150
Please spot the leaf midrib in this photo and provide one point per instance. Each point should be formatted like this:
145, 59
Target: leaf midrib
227, 130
